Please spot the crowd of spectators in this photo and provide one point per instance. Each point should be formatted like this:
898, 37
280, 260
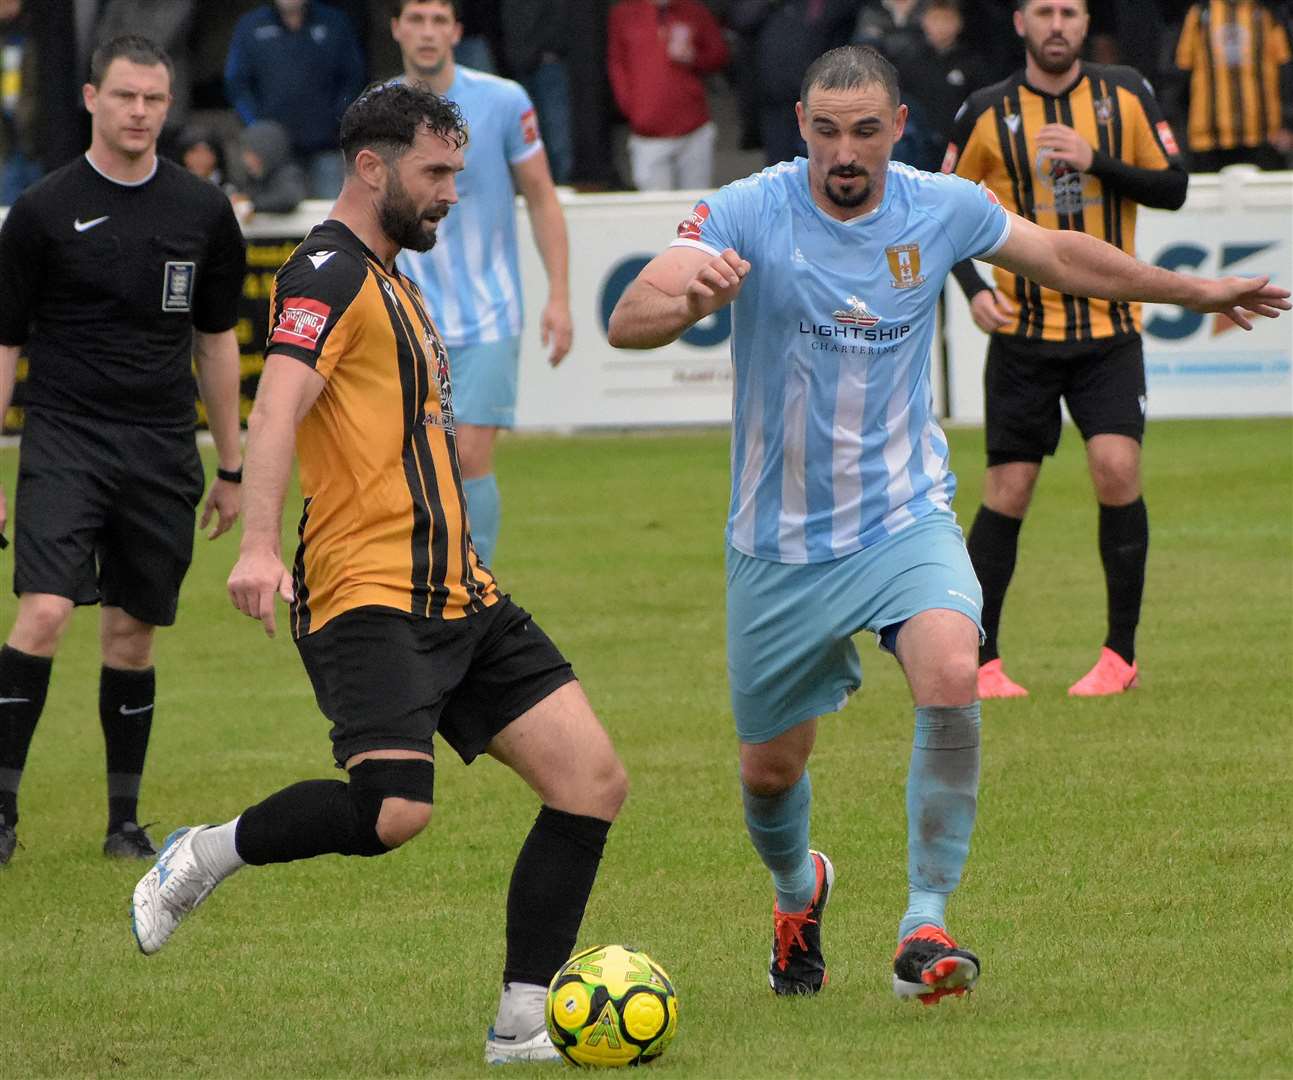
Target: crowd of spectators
260, 84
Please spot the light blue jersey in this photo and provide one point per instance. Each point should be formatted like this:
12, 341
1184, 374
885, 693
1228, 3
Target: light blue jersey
834, 440
472, 277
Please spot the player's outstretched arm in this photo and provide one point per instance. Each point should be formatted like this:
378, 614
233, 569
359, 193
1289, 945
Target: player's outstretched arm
676, 289
1078, 264
287, 391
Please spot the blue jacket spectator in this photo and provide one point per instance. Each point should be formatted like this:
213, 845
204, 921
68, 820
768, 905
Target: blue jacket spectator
298, 63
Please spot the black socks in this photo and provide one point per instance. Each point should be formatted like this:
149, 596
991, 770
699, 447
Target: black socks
1124, 548
993, 544
553, 876
24, 681
126, 715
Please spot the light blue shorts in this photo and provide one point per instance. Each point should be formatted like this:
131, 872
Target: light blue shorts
484, 382
789, 625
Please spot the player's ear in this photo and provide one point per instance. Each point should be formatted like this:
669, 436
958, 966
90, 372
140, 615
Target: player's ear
899, 121
802, 117
89, 95
371, 168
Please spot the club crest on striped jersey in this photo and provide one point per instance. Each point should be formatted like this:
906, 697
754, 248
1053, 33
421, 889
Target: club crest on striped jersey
904, 265
1103, 108
857, 314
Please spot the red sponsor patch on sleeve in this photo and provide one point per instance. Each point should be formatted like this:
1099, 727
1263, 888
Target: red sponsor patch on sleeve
689, 228
1164, 130
300, 322
530, 126
950, 158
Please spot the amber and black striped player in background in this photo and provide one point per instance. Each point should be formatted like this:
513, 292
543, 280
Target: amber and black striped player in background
1235, 90
1069, 145
403, 632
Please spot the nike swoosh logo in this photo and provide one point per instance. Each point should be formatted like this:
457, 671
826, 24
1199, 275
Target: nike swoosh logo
134, 712
15, 700
81, 226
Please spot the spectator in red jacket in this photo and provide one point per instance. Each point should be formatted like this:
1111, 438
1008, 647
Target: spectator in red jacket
658, 55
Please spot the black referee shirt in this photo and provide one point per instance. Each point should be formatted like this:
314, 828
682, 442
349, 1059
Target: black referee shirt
104, 282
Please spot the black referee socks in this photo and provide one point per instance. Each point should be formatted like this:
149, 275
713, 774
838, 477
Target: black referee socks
126, 715
24, 681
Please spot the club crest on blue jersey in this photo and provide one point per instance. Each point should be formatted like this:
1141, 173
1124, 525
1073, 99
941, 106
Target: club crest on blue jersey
177, 286
904, 265
857, 315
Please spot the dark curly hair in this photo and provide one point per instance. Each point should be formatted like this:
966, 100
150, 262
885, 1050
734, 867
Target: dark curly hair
387, 117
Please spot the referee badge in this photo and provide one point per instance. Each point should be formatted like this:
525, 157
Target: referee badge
177, 286
904, 265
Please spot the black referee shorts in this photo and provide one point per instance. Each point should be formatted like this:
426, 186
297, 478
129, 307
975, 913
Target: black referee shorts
1101, 382
104, 512
389, 680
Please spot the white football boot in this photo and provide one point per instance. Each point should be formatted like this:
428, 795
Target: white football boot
534, 1047
170, 890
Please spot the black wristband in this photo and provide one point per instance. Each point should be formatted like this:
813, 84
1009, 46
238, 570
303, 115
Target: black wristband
233, 476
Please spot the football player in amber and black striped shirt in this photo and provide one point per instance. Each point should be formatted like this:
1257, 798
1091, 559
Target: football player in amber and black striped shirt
1072, 146
1237, 77
402, 630
117, 272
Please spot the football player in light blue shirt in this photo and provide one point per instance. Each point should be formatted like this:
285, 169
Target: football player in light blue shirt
840, 516
471, 279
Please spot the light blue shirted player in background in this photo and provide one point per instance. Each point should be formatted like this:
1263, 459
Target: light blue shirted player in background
840, 516
471, 279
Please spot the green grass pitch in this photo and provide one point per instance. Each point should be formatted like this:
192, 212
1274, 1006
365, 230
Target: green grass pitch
1128, 888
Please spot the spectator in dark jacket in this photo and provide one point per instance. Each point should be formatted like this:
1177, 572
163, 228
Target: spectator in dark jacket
275, 183
788, 36
298, 62
536, 38
937, 71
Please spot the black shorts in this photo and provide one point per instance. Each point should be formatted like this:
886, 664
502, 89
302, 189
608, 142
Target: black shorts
1101, 382
104, 512
389, 680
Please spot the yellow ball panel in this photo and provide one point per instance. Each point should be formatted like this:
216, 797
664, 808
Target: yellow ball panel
644, 1016
570, 1006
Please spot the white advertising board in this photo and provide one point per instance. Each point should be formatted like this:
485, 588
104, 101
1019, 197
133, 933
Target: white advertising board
1239, 222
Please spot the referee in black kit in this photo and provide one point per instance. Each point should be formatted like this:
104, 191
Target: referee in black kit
116, 272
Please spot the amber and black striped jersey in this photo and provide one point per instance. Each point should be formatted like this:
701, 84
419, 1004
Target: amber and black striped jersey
1136, 160
1232, 51
385, 520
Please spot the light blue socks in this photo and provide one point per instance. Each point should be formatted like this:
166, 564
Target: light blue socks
942, 794
778, 827
484, 513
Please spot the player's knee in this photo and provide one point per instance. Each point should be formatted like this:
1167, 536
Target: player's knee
770, 776
612, 787
42, 620
391, 801
401, 819
956, 682
597, 790
130, 648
